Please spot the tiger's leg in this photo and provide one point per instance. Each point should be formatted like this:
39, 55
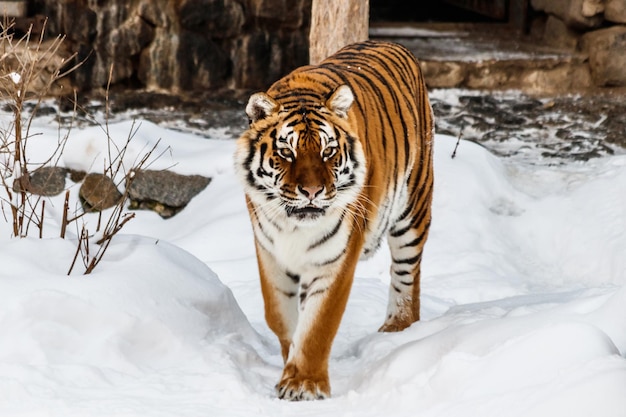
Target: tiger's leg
406, 242
280, 290
323, 300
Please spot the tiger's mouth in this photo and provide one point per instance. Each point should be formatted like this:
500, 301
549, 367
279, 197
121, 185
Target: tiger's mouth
309, 212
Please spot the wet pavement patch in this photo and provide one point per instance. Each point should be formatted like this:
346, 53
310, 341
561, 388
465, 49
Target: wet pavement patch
536, 130
544, 131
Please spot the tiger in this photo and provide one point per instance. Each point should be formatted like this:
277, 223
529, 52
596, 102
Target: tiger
337, 157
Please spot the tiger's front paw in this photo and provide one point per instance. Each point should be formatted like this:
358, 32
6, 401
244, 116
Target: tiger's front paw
297, 386
393, 327
396, 324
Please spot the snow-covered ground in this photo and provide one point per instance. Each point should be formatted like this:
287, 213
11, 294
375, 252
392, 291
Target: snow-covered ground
524, 299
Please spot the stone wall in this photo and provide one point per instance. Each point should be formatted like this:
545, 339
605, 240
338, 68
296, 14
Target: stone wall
594, 27
181, 45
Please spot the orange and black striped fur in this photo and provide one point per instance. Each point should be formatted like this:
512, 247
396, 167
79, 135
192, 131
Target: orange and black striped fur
338, 156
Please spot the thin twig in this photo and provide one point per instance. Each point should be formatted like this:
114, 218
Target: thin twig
78, 249
99, 221
458, 141
40, 224
66, 209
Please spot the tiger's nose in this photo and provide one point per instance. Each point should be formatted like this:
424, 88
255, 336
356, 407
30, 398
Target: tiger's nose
310, 191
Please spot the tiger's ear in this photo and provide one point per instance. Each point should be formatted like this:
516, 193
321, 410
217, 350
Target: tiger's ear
260, 106
341, 100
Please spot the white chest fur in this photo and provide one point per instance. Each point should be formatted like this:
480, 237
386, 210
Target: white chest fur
302, 248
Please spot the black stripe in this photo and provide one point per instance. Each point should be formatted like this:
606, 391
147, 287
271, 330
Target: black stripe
305, 286
317, 292
268, 237
332, 260
393, 232
418, 218
304, 296
411, 261
251, 153
327, 236
294, 277
261, 172
415, 242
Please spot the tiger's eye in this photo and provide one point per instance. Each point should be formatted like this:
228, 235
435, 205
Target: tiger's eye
286, 153
329, 152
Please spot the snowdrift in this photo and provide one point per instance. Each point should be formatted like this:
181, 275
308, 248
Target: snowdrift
524, 301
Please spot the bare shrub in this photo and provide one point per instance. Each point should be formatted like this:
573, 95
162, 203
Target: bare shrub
30, 71
30, 68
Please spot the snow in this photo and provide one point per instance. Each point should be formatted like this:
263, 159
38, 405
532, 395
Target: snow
523, 299
410, 31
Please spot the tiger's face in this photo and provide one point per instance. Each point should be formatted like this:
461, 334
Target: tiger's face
303, 162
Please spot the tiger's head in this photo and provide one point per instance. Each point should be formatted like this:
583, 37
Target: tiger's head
301, 159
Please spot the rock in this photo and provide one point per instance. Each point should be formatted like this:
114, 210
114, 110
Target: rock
542, 76
292, 14
35, 63
124, 43
202, 63
44, 181
615, 11
155, 72
15, 8
572, 77
607, 60
484, 76
184, 45
214, 18
77, 175
570, 12
260, 58
592, 8
129, 38
65, 14
98, 192
154, 14
35, 24
442, 74
163, 191
557, 33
